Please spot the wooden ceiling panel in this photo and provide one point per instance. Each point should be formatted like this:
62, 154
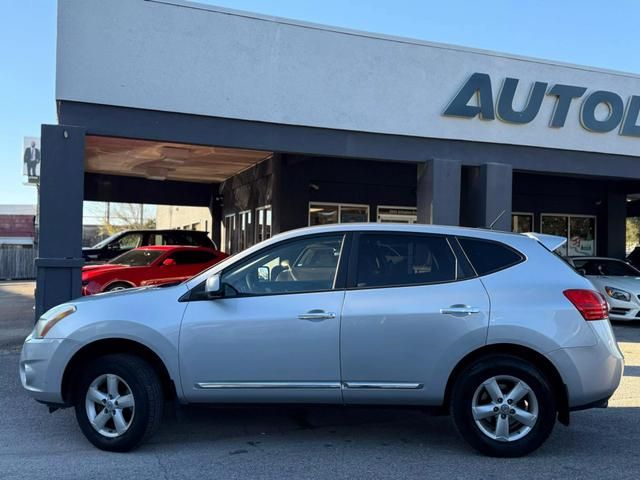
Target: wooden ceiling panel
164, 160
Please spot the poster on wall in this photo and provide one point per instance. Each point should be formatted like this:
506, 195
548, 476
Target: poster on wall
582, 236
31, 159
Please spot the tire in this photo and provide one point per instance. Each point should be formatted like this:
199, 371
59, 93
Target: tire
117, 286
528, 424
130, 375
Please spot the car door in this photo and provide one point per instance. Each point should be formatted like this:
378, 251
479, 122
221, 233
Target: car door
274, 334
413, 309
182, 266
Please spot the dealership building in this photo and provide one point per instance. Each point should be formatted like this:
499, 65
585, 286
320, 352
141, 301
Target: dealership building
274, 124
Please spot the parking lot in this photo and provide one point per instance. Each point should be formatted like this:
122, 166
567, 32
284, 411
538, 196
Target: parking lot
300, 443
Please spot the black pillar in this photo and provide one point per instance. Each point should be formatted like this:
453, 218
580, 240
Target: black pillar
616, 224
59, 262
280, 204
215, 207
487, 194
438, 192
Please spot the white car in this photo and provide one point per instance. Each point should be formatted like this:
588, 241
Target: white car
617, 280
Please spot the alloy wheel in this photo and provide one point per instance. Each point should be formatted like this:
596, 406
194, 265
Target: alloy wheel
504, 408
110, 405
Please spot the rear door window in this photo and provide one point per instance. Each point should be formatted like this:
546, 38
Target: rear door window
488, 256
389, 259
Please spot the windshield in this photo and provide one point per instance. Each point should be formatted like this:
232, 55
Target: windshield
609, 267
137, 258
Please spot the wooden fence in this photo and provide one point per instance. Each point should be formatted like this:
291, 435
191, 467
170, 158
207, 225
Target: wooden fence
17, 263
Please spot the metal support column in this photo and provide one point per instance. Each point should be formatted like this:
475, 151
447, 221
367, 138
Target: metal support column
438, 192
487, 196
59, 262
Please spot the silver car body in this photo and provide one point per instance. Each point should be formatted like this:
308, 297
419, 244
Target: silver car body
373, 345
619, 310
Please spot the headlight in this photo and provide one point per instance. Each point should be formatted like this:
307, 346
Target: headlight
51, 317
618, 294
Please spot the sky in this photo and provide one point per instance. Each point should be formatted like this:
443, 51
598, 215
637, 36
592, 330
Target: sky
586, 32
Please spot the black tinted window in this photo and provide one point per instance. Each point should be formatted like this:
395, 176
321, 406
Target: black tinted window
614, 268
187, 238
187, 257
487, 256
396, 259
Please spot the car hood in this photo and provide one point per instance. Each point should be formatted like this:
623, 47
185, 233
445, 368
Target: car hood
91, 270
630, 284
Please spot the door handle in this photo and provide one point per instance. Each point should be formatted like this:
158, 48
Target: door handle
316, 315
459, 310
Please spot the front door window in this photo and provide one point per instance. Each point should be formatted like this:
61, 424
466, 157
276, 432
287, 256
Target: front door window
304, 265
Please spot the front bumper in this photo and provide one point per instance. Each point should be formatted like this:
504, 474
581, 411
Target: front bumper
591, 374
620, 310
42, 364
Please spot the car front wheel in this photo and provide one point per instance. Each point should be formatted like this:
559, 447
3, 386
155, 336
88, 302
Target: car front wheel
118, 402
503, 406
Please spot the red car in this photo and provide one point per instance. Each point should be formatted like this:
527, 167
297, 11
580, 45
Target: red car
153, 265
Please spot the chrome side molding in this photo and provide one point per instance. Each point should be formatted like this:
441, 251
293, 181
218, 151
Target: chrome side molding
235, 385
344, 385
383, 385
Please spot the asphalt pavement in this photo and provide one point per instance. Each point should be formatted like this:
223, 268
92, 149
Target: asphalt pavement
307, 443
16, 312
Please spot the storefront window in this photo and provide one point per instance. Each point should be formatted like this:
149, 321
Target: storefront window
229, 233
397, 214
320, 214
522, 222
244, 239
263, 223
354, 214
326, 213
578, 230
582, 234
556, 225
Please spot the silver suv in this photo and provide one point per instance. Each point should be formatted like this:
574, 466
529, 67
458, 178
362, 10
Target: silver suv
490, 326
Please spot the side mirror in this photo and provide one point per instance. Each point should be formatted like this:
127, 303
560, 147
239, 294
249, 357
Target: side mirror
168, 262
212, 286
263, 274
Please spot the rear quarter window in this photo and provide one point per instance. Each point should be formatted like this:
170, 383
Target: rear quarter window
488, 256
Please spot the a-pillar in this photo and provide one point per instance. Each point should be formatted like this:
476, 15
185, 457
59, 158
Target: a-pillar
61, 193
438, 192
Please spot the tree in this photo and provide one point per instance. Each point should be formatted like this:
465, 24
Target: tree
633, 232
115, 217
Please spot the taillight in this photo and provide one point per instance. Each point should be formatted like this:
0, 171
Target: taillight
590, 304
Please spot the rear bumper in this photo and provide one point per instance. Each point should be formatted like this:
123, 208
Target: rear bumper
602, 403
591, 374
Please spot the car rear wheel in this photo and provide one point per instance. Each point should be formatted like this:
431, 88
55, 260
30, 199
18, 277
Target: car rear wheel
115, 287
503, 406
118, 402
